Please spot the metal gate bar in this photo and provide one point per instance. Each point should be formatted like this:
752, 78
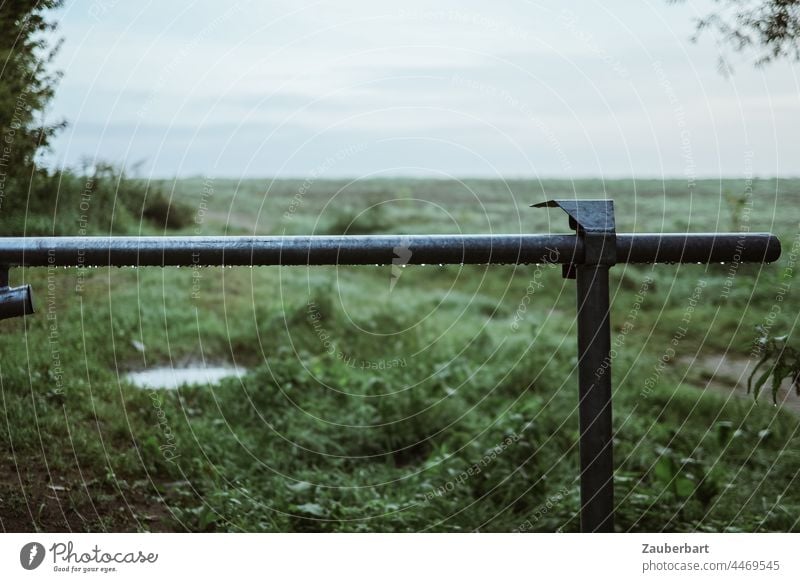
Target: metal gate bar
155, 251
586, 256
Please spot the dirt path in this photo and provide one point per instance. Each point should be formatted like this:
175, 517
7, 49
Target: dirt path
79, 502
728, 373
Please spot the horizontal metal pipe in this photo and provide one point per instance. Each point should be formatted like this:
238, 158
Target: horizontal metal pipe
758, 247
15, 301
377, 249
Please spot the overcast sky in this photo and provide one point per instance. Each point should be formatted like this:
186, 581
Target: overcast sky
464, 88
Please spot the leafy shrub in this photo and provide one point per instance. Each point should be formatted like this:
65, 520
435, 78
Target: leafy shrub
159, 210
782, 360
351, 221
96, 200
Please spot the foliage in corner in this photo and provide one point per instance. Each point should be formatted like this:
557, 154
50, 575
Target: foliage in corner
27, 86
771, 28
781, 361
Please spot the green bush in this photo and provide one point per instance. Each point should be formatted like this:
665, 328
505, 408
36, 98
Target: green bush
352, 221
94, 201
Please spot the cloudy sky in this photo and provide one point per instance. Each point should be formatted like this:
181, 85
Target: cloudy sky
465, 88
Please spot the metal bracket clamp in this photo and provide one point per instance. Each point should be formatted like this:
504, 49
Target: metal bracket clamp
593, 221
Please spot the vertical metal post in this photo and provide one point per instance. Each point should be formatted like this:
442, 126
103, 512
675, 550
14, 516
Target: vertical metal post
594, 222
594, 390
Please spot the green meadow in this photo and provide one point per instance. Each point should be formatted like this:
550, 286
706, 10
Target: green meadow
426, 398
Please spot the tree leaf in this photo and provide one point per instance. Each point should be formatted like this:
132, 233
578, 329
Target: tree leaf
312, 508
664, 469
300, 486
762, 379
777, 377
760, 363
724, 430
684, 486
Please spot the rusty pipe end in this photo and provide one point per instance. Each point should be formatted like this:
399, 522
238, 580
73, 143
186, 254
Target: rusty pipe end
16, 301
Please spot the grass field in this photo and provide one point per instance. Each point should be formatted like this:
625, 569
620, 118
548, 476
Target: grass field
436, 399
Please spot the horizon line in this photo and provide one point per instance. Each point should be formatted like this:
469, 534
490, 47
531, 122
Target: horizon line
440, 178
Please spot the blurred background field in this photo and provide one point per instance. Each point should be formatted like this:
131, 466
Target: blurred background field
368, 394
